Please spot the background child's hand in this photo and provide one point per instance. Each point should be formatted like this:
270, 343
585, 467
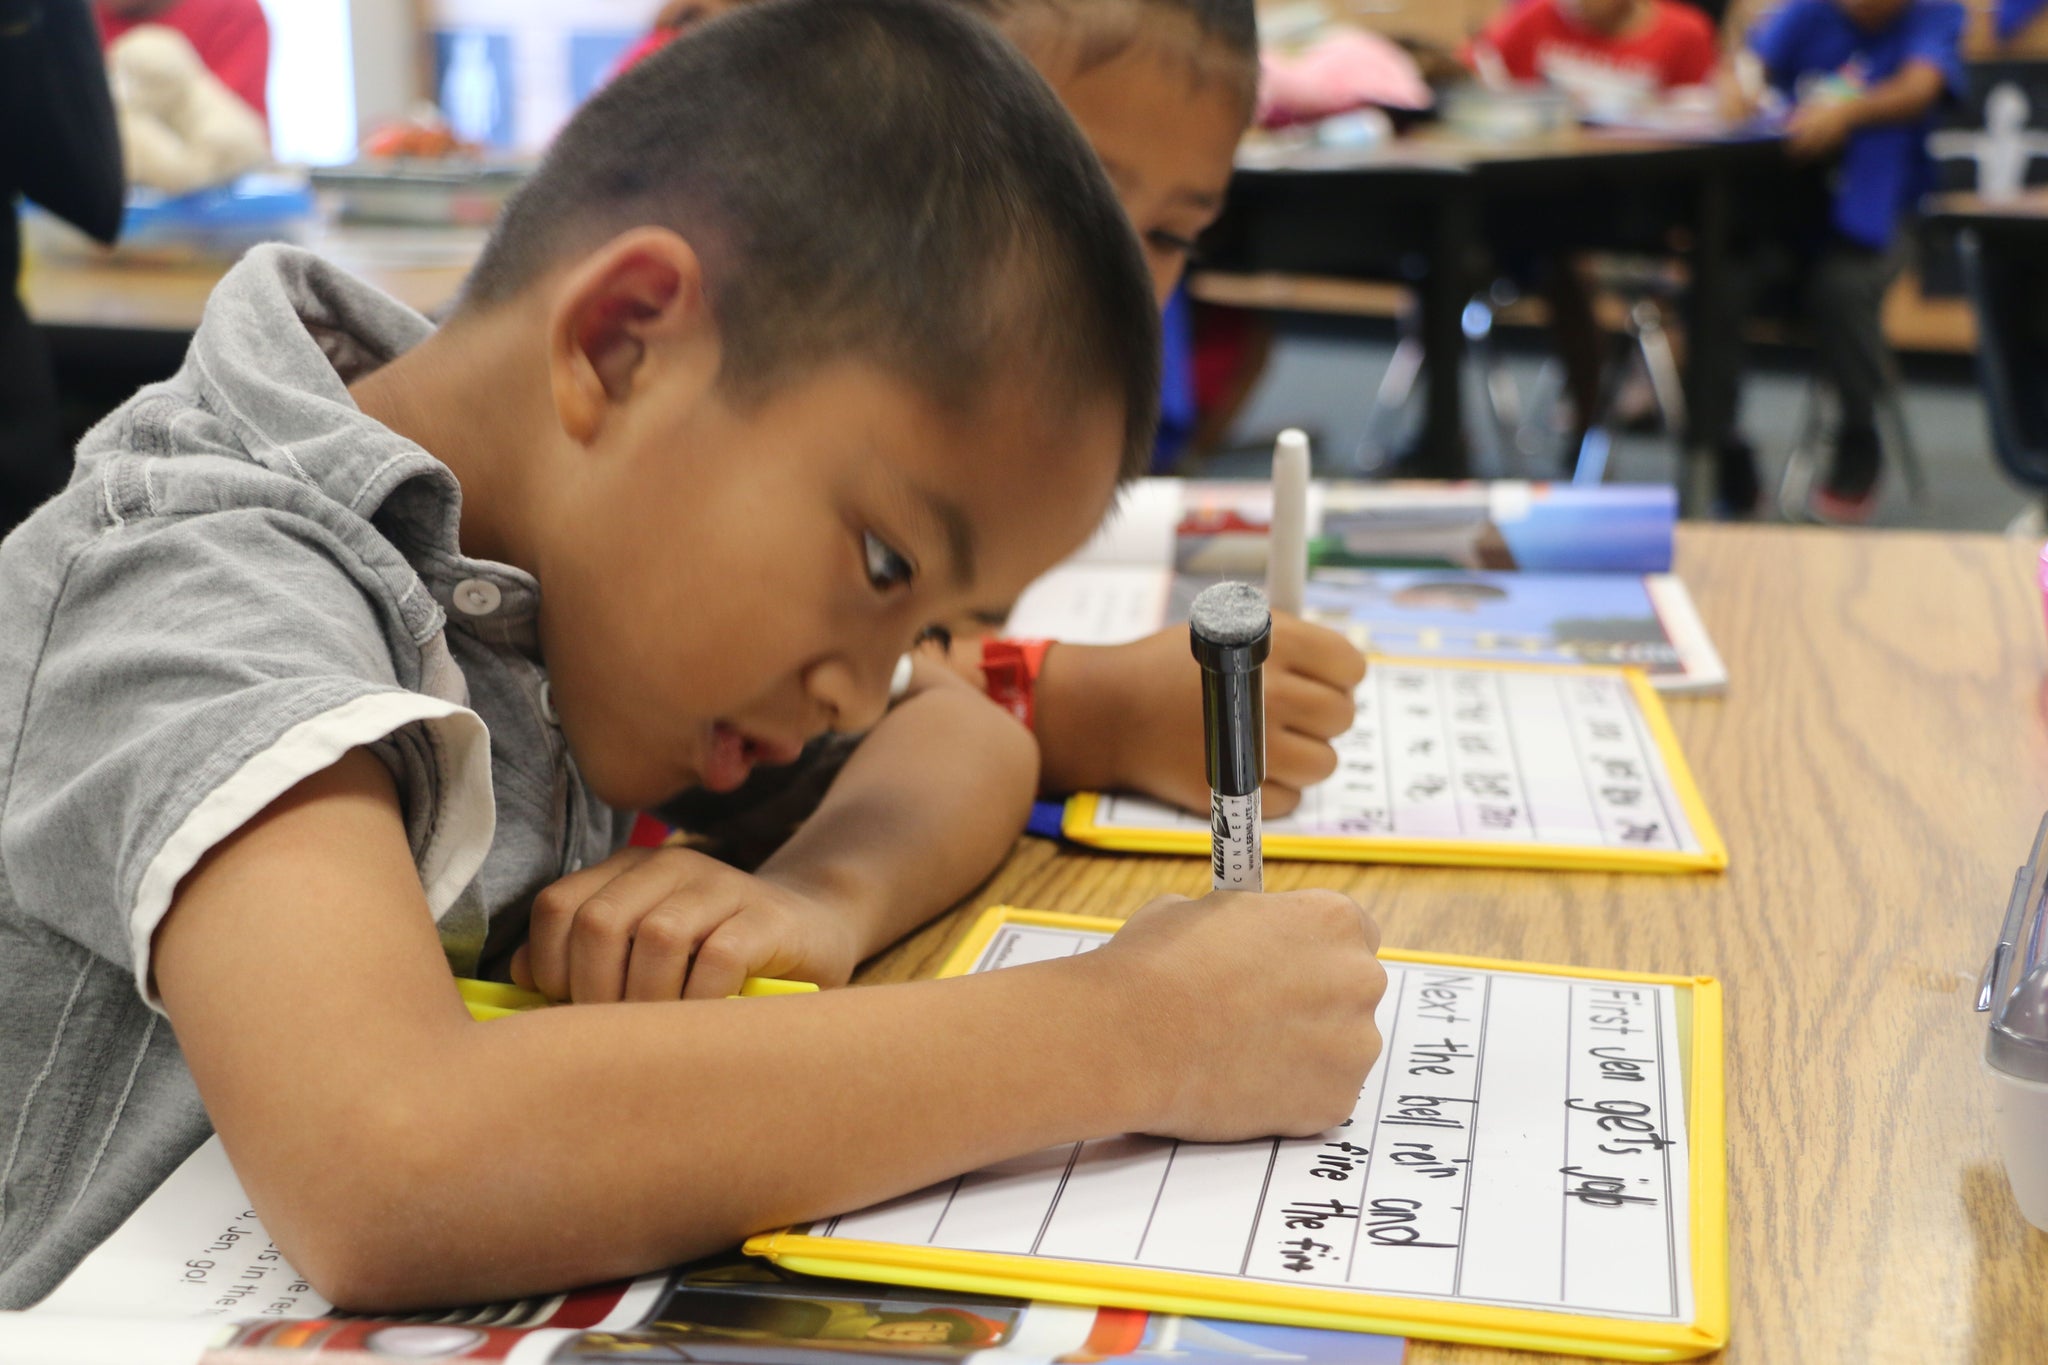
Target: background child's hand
1819, 129
1257, 1009
1130, 716
659, 924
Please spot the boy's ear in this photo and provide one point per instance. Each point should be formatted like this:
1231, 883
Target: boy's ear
637, 291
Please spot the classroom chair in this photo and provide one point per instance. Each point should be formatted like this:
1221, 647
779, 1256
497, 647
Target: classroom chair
1649, 289
2006, 288
1811, 450
1492, 405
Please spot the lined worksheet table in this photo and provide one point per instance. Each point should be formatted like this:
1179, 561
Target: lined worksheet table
1496, 755
1521, 1142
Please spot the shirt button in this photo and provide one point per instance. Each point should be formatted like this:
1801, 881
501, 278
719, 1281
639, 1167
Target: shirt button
477, 597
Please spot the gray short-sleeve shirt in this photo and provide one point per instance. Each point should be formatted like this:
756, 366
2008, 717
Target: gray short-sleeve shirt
245, 578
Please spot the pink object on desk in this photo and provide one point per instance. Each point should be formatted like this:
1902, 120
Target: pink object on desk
1343, 70
2042, 578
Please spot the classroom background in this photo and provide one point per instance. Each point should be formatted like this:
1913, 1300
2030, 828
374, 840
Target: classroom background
1862, 712
395, 127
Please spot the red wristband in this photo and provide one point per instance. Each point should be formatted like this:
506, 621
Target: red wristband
1010, 670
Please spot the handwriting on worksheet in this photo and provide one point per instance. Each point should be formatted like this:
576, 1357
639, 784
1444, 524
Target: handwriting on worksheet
1521, 1142
1495, 756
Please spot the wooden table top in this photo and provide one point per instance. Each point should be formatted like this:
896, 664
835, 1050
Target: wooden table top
1878, 767
2027, 207
421, 267
1437, 149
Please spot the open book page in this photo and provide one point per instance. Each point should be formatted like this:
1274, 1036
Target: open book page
1503, 525
1521, 1143
1140, 528
1407, 569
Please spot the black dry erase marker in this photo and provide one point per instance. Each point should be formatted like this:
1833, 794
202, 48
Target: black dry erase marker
1231, 630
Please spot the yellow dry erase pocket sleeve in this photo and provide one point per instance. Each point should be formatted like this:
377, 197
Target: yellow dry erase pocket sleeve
1090, 818
496, 999
1698, 1029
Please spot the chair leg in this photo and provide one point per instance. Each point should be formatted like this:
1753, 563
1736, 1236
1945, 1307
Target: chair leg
1594, 449
1795, 484
1536, 435
1397, 386
1490, 390
1646, 320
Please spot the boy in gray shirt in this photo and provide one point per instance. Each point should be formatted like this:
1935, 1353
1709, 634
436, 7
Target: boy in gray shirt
347, 652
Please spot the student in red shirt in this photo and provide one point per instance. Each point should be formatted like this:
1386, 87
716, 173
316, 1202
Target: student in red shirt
1614, 58
1609, 55
231, 36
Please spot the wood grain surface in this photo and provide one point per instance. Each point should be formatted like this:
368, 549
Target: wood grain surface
1878, 766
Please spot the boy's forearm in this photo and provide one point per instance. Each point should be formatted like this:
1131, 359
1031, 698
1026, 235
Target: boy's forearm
422, 1158
1904, 98
628, 1137
1076, 722
928, 805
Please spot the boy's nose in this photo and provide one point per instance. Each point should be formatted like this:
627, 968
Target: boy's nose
854, 688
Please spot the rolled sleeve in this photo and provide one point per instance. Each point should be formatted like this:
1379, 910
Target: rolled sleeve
193, 671
1934, 35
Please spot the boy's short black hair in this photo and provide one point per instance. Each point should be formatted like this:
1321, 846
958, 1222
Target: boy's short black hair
1107, 28
882, 179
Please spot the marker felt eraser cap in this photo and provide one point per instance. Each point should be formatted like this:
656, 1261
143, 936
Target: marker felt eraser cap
1230, 632
1231, 627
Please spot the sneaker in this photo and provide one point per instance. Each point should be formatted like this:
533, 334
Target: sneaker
1836, 509
1848, 496
1737, 493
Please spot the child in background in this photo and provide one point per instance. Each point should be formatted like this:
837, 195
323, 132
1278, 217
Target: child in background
231, 36
1615, 59
344, 643
1163, 90
1864, 78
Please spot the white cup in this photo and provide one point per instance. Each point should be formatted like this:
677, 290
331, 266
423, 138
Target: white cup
2022, 1107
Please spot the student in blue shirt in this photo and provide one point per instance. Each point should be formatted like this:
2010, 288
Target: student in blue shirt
1863, 78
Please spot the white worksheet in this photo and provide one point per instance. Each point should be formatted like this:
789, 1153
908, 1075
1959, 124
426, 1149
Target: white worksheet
1498, 755
1521, 1142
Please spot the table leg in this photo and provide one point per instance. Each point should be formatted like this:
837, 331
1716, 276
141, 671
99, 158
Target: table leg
1709, 369
1446, 289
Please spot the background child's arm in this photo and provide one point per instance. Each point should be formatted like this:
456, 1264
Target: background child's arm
404, 1156
928, 805
1129, 717
1816, 129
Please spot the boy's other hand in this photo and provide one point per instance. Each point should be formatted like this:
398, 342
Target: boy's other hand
1257, 1010
670, 923
1138, 709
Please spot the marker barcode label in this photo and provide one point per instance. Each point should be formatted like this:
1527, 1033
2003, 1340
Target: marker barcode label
1238, 863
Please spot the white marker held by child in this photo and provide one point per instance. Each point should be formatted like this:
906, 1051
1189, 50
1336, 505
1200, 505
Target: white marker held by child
1287, 541
1231, 631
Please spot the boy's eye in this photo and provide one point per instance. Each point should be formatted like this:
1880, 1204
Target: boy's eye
1168, 241
887, 570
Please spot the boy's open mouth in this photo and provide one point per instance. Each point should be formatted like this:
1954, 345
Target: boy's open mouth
730, 754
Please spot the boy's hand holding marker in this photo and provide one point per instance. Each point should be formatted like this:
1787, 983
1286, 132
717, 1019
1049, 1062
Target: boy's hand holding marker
1129, 717
1256, 1010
